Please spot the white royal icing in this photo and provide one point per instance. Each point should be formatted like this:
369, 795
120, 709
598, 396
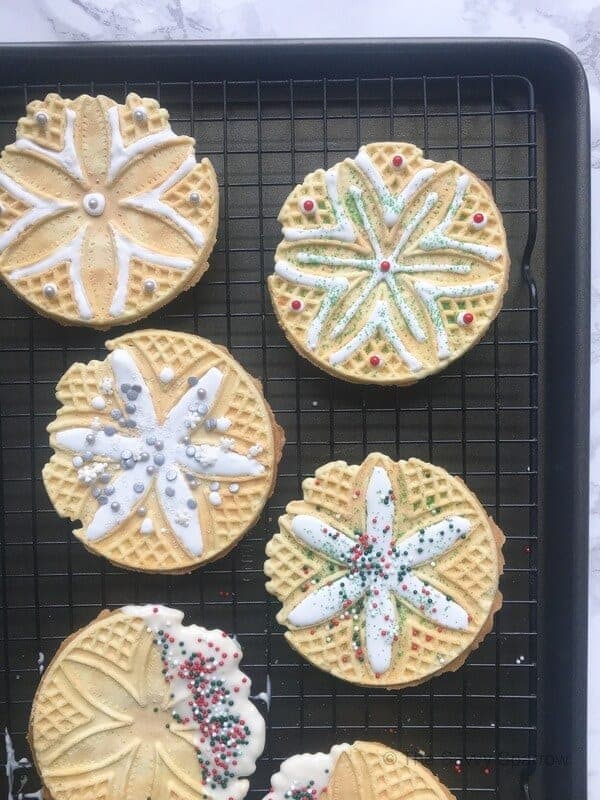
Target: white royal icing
413, 300
307, 774
65, 158
70, 252
153, 455
343, 230
40, 208
120, 155
381, 579
126, 250
150, 201
220, 708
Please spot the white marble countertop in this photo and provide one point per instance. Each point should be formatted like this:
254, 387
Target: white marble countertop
575, 23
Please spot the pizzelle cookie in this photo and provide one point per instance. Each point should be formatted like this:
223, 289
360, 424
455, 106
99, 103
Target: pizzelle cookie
105, 215
391, 265
388, 572
359, 771
166, 451
137, 705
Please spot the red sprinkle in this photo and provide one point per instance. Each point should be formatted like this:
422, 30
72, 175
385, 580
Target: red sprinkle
468, 318
478, 218
385, 266
296, 305
308, 205
397, 161
375, 361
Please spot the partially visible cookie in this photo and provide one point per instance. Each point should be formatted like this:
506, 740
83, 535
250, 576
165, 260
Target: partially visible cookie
105, 215
359, 771
137, 705
391, 266
166, 451
387, 572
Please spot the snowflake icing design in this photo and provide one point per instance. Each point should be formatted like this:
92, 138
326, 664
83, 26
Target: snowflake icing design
379, 568
105, 196
416, 271
155, 455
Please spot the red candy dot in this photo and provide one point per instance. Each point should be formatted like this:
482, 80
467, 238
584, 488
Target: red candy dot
468, 318
397, 161
296, 305
308, 205
385, 266
375, 361
478, 218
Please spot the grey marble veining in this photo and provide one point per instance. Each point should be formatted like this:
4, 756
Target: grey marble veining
575, 23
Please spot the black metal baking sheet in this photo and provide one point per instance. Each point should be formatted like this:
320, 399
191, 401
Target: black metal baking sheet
511, 417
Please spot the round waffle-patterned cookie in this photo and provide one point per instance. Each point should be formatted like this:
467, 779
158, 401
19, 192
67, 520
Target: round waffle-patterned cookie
166, 451
391, 265
359, 771
105, 215
388, 572
137, 705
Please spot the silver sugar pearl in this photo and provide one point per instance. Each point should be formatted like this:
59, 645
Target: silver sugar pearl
88, 455
159, 445
96, 492
130, 408
50, 290
116, 414
201, 393
140, 115
142, 511
109, 430
104, 478
192, 380
102, 500
126, 454
151, 439
144, 456
170, 491
150, 469
109, 490
202, 408
42, 118
191, 503
159, 459
138, 487
115, 506
194, 198
171, 474
190, 451
149, 286
90, 438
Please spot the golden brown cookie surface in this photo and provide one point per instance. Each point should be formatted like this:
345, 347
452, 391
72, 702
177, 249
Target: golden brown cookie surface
166, 451
388, 572
115, 718
391, 265
359, 771
105, 215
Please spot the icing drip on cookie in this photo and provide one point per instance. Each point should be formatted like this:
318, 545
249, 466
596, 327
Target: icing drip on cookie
305, 776
209, 696
378, 566
122, 467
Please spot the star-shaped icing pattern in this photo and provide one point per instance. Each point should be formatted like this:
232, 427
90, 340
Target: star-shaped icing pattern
153, 455
380, 567
400, 269
104, 212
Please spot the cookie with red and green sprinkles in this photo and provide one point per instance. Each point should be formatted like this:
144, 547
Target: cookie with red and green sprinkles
387, 572
358, 771
138, 705
391, 265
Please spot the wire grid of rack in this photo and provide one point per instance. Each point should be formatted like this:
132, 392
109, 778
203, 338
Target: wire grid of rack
476, 729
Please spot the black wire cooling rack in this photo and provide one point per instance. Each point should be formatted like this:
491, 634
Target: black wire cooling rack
476, 728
